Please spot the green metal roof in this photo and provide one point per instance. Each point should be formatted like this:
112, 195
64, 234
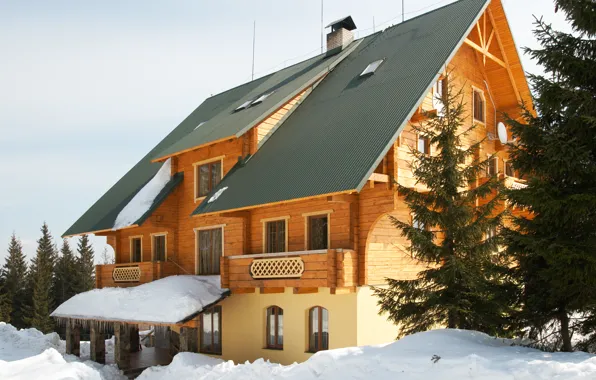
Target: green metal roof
341, 131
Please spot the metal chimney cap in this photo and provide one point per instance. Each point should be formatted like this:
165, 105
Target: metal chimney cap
345, 22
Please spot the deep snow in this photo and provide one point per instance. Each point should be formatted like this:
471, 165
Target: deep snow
168, 300
437, 354
28, 354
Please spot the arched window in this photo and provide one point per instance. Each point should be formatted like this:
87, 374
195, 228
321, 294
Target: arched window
318, 322
275, 328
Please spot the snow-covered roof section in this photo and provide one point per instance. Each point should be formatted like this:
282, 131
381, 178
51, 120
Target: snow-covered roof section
145, 198
170, 300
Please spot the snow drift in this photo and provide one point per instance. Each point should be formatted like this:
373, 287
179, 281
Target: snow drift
168, 300
437, 354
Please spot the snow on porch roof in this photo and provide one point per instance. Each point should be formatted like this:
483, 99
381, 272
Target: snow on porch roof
171, 300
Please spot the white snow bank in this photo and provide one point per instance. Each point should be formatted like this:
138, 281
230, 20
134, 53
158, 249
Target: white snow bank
169, 300
438, 354
144, 199
18, 344
184, 365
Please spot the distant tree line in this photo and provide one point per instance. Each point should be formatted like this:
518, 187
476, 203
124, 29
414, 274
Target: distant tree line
528, 269
29, 293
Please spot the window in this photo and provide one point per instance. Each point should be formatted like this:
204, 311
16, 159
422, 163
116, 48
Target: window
439, 91
210, 250
493, 167
207, 176
275, 328
371, 68
491, 232
423, 144
478, 102
509, 172
261, 98
244, 105
136, 249
275, 236
416, 223
318, 232
159, 247
318, 338
211, 331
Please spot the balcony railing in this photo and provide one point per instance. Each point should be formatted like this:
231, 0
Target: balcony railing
132, 274
515, 183
306, 269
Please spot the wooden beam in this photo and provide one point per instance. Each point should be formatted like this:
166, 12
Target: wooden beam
343, 198
490, 39
485, 52
235, 214
243, 290
270, 290
377, 177
515, 89
343, 290
305, 290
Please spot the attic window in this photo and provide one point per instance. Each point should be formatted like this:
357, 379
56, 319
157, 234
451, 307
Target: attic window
244, 105
371, 68
261, 98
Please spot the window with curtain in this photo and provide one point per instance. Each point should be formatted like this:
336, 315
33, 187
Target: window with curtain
136, 250
318, 338
275, 236
423, 144
275, 328
207, 177
211, 331
493, 167
210, 250
159, 248
318, 231
478, 102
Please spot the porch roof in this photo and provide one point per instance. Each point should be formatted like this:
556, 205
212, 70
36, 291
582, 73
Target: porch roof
171, 300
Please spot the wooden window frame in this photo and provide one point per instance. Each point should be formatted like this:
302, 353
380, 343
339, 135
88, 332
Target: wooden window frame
197, 245
507, 163
212, 310
165, 235
195, 168
319, 310
275, 312
481, 92
443, 81
264, 222
130, 240
307, 217
496, 161
426, 145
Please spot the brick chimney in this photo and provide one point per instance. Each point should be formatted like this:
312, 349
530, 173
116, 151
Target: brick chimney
341, 34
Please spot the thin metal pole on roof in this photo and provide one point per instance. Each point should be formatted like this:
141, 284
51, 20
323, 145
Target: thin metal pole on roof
373, 24
322, 28
403, 10
254, 30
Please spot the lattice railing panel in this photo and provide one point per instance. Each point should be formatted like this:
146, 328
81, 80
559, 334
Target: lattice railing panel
285, 267
126, 274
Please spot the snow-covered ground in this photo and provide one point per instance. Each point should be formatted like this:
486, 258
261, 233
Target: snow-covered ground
29, 355
438, 354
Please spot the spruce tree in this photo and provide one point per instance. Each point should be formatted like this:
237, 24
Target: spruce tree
462, 286
12, 277
5, 304
555, 247
40, 280
65, 275
85, 265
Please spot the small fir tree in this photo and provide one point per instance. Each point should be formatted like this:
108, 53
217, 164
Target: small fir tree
555, 248
462, 287
86, 265
12, 275
65, 274
40, 280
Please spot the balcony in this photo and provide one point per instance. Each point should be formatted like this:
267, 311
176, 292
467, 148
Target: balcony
515, 183
132, 274
304, 271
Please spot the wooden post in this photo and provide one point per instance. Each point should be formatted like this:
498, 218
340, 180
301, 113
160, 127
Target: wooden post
122, 345
189, 339
174, 342
98, 344
73, 338
135, 341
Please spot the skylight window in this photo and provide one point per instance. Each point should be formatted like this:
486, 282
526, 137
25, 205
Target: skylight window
201, 123
261, 98
371, 68
244, 105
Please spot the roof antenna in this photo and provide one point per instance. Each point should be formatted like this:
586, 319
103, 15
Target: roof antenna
403, 13
373, 24
322, 28
254, 30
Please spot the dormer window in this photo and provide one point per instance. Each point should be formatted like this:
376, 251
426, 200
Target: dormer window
371, 68
244, 105
207, 175
261, 98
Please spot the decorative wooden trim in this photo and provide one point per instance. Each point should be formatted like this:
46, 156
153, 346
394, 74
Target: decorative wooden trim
281, 267
209, 160
209, 227
275, 218
153, 235
127, 274
204, 228
130, 239
315, 213
195, 168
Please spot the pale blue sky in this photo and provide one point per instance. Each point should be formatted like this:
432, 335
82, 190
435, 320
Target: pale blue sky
88, 87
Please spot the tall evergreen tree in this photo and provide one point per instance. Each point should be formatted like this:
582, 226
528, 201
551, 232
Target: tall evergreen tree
85, 264
5, 304
40, 280
65, 274
555, 248
461, 287
12, 277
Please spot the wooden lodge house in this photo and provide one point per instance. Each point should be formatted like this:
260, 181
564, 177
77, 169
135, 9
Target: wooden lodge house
282, 188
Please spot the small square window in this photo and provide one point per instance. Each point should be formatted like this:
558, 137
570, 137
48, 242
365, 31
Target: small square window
371, 68
244, 105
423, 144
261, 98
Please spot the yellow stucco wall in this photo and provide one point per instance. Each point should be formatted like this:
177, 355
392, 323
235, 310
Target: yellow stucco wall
372, 328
